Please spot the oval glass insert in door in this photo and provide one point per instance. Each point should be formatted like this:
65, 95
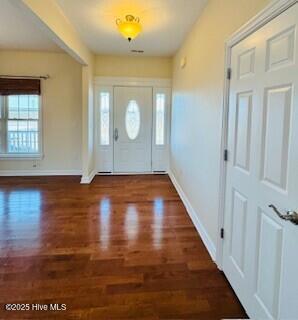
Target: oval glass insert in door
132, 120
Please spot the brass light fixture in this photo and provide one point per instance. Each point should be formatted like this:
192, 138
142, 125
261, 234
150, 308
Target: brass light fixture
130, 27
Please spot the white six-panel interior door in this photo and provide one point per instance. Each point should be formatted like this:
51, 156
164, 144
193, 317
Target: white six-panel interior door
260, 249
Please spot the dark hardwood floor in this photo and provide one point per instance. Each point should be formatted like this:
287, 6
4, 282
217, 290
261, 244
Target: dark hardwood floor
120, 248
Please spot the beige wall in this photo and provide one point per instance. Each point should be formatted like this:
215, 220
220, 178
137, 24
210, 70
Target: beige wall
49, 16
133, 66
197, 105
62, 111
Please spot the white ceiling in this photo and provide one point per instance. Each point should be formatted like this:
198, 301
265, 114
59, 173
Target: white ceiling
165, 23
17, 31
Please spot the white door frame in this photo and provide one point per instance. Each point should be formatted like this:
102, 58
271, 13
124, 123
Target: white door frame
263, 17
132, 82
108, 83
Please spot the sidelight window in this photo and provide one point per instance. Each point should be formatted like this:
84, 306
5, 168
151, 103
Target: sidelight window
104, 118
160, 119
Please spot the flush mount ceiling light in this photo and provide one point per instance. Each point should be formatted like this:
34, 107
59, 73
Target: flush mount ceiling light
130, 27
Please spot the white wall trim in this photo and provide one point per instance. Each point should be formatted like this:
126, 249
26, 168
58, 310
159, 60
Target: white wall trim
274, 9
271, 11
194, 217
88, 179
23, 173
131, 173
130, 81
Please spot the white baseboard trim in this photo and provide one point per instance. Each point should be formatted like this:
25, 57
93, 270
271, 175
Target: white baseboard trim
195, 218
131, 173
88, 179
28, 173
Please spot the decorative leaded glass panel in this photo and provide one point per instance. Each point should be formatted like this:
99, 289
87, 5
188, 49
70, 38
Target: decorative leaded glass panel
132, 120
104, 118
160, 119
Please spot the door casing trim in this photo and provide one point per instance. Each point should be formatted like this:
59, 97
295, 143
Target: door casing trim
258, 21
133, 82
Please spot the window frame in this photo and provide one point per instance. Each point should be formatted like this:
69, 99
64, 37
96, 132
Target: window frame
4, 154
104, 153
160, 153
110, 138
164, 128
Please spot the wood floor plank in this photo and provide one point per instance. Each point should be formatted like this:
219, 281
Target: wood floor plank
122, 247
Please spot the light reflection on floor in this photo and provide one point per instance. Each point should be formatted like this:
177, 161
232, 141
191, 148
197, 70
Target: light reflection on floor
105, 216
20, 220
131, 223
158, 222
2, 203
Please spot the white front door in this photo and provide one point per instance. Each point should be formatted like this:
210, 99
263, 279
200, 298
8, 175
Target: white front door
132, 129
261, 249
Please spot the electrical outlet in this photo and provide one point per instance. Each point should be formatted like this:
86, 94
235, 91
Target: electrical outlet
36, 164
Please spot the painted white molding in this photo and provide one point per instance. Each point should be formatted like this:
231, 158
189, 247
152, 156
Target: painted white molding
24, 173
131, 173
129, 81
271, 11
274, 9
194, 217
88, 179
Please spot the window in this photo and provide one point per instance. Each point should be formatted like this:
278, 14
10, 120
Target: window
160, 119
132, 120
104, 118
20, 125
